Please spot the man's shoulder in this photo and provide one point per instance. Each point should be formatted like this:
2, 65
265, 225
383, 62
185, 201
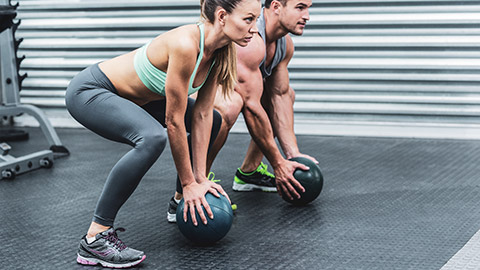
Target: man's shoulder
290, 47
252, 54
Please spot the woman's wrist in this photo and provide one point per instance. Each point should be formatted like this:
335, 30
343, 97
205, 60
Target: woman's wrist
187, 182
200, 178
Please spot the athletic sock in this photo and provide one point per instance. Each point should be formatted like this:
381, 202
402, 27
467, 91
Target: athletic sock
90, 239
177, 201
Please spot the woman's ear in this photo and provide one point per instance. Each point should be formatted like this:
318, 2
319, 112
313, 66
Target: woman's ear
221, 15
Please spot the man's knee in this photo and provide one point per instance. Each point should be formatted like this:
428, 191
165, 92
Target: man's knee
229, 108
217, 123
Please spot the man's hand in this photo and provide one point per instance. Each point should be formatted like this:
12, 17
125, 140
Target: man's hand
286, 182
305, 156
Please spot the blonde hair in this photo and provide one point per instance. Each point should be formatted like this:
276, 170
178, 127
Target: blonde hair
225, 69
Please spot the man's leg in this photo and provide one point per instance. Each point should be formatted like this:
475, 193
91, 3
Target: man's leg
253, 158
229, 108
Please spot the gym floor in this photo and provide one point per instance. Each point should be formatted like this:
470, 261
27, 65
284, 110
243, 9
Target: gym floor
386, 204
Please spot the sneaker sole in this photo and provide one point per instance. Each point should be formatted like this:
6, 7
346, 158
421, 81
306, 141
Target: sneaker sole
251, 187
171, 218
94, 261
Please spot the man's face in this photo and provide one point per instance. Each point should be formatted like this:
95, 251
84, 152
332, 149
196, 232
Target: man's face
294, 15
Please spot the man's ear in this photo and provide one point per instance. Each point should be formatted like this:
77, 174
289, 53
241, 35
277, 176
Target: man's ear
276, 6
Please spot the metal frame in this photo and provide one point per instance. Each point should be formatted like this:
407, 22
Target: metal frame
10, 106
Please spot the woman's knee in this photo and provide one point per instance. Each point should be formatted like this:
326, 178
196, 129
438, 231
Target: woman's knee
154, 141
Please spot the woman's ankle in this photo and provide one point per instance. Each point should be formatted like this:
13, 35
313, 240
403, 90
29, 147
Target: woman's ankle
96, 228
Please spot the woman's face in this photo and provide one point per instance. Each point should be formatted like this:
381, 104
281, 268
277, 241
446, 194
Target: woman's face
240, 25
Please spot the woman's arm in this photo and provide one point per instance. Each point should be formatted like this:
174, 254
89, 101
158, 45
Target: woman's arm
202, 121
180, 66
182, 58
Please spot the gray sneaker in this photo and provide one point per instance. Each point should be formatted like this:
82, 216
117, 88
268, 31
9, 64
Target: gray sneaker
172, 211
109, 251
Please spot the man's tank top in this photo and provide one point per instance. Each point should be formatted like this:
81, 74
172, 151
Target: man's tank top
280, 50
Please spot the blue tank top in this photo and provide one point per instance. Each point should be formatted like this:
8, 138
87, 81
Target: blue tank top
154, 78
280, 49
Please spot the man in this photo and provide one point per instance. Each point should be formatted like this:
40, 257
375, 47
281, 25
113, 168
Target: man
262, 65
264, 96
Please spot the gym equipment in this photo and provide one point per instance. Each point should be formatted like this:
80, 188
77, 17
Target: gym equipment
7, 13
311, 180
215, 229
10, 105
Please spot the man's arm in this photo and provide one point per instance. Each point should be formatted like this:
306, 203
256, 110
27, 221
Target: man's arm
250, 87
279, 103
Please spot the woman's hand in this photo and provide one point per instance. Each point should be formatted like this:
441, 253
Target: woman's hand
194, 198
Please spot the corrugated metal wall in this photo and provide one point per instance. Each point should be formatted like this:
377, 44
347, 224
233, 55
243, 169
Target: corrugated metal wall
373, 68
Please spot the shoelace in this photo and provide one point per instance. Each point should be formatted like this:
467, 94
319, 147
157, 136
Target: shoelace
112, 237
211, 177
263, 170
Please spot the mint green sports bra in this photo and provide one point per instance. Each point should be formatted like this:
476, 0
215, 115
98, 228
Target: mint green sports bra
154, 78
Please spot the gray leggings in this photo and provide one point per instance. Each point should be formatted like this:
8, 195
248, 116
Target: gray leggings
94, 102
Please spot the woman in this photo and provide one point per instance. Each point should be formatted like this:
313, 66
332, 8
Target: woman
131, 98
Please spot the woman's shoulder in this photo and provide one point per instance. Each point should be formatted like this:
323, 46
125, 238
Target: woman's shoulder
183, 38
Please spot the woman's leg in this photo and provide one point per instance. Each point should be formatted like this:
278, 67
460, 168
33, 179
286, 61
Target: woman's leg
118, 119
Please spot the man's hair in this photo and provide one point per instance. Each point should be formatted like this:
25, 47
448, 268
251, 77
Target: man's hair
268, 2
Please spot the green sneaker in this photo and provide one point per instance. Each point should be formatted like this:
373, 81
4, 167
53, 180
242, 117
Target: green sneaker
211, 177
260, 179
